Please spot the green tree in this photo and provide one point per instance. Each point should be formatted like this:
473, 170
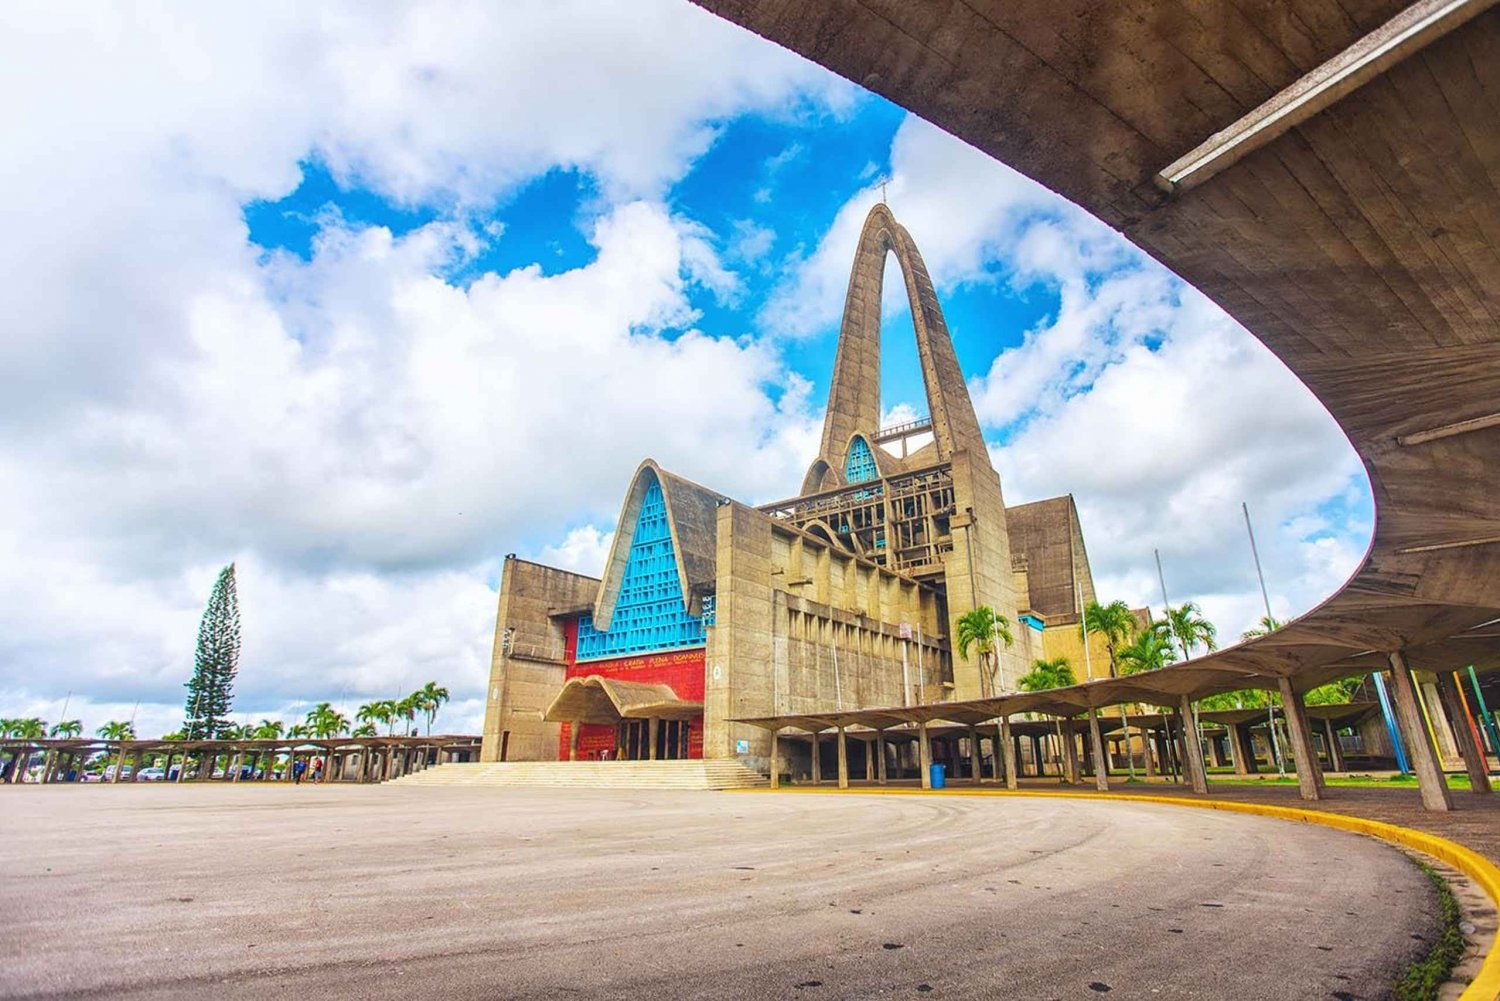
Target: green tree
67, 728
324, 721
297, 731
1191, 628
1150, 650
1048, 674
982, 629
268, 729
211, 689
1115, 622
117, 730
432, 696
31, 728
365, 730
379, 711
408, 708
1264, 626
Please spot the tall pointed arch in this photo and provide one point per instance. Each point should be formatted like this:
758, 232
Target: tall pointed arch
854, 392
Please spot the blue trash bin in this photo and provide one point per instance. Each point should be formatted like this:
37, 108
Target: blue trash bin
939, 776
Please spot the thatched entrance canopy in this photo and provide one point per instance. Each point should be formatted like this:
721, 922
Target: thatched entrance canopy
608, 700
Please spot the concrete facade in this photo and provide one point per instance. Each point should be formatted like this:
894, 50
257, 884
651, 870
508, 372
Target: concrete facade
841, 598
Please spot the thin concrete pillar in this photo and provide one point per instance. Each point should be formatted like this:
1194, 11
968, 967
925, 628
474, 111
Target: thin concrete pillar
1309, 768
880, 774
1012, 762
869, 746
1191, 753
924, 756
974, 758
573, 729
1335, 752
1070, 752
843, 760
1431, 781
1215, 751
1148, 755
1101, 755
817, 760
1243, 749
775, 767
651, 728
1468, 745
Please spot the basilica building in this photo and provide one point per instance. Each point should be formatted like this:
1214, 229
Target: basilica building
842, 597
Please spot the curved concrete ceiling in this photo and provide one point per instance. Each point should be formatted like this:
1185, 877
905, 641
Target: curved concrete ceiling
1361, 244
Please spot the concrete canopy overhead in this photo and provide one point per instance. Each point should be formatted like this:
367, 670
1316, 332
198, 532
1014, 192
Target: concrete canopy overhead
1359, 240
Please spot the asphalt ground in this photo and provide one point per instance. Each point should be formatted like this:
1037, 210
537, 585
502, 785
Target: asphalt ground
255, 891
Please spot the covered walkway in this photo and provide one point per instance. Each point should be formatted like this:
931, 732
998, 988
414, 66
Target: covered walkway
347, 759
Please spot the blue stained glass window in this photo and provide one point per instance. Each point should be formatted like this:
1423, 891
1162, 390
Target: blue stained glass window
860, 466
649, 613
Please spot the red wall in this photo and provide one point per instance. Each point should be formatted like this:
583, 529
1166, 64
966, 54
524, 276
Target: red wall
683, 670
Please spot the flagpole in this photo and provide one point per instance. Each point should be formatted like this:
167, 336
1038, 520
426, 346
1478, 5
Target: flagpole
1270, 619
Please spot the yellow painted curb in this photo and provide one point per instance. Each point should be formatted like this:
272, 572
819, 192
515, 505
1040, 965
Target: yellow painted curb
1484, 987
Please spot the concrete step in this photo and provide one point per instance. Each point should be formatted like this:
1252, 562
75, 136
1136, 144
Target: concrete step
591, 775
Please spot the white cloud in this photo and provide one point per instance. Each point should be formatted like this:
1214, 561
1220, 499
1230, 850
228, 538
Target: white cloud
364, 435
962, 207
584, 551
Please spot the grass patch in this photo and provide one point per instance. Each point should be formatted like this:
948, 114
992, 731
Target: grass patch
1422, 979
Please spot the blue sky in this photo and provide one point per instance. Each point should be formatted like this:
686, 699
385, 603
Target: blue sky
364, 301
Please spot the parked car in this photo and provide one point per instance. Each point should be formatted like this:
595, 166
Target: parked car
90, 777
109, 774
152, 774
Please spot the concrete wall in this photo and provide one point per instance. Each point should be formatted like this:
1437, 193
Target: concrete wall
978, 570
527, 677
804, 628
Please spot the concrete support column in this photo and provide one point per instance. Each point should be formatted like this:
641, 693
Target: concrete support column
1309, 768
924, 756
1101, 755
651, 728
1335, 752
1148, 739
817, 760
1070, 752
1468, 745
869, 746
775, 754
1215, 752
975, 761
1191, 753
843, 760
573, 729
880, 766
1012, 761
1243, 749
1419, 750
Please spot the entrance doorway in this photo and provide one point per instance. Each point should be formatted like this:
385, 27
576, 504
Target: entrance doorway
633, 739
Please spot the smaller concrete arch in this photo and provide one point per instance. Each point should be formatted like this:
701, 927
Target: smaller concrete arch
820, 476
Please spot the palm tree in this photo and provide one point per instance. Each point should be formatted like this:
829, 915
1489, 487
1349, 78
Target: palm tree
408, 708
1149, 651
981, 628
432, 697
379, 711
297, 731
117, 730
32, 728
365, 730
1115, 622
1191, 628
1265, 625
326, 721
67, 728
268, 729
1048, 674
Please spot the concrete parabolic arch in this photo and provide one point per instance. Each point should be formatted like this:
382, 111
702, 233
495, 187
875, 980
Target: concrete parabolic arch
854, 391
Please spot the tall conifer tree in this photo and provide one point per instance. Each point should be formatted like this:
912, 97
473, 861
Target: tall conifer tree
211, 690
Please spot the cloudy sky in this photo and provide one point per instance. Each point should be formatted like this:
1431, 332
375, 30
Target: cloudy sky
364, 297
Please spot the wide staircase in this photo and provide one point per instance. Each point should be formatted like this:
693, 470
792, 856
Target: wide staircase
591, 775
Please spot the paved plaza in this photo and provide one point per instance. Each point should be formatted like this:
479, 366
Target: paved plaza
375, 892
